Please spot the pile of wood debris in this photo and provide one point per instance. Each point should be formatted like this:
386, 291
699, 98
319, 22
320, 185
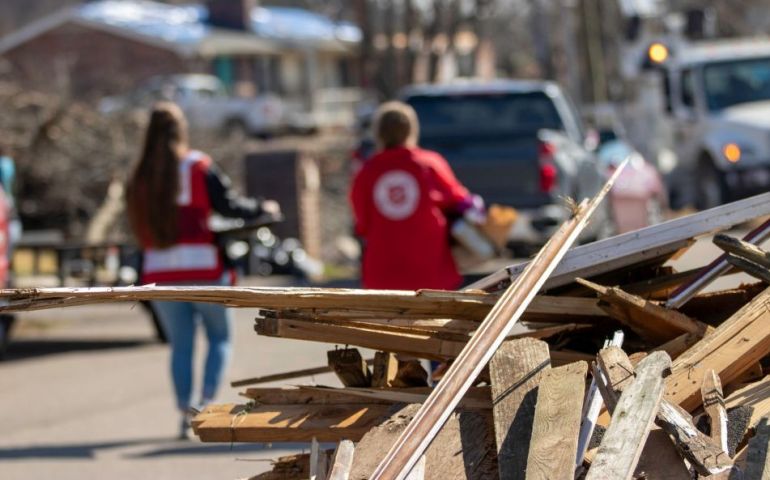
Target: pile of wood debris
596, 362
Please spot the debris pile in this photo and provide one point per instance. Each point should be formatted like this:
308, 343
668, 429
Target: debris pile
597, 362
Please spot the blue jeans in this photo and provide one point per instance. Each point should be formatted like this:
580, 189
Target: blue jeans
179, 320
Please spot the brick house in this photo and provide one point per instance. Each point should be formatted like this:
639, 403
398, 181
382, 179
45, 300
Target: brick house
109, 46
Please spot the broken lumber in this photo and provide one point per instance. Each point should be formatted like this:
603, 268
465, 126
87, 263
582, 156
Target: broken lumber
342, 461
553, 447
713, 270
483, 344
515, 372
714, 405
705, 456
286, 423
644, 317
742, 249
731, 349
350, 367
747, 266
475, 398
622, 444
416, 345
385, 369
647, 243
463, 449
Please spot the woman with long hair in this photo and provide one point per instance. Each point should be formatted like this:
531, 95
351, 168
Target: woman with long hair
171, 194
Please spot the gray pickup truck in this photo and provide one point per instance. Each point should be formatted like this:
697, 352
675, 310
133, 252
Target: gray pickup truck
516, 143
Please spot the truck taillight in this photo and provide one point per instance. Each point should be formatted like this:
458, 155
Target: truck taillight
548, 171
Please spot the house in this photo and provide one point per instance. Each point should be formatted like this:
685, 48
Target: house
108, 46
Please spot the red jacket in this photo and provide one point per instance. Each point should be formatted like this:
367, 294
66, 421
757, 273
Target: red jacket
400, 199
195, 256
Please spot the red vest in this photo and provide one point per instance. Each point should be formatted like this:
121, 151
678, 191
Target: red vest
400, 198
195, 256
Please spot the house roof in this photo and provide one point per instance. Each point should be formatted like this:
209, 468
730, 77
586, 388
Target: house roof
185, 28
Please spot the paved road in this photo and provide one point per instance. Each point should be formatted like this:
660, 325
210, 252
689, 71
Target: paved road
85, 395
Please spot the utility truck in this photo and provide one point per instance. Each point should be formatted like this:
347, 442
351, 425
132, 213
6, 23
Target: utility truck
717, 116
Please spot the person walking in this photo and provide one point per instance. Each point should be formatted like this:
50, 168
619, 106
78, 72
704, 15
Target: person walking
403, 200
170, 196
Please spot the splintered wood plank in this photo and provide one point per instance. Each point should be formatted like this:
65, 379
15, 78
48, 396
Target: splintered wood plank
416, 345
758, 454
350, 367
385, 369
632, 420
619, 373
714, 405
463, 449
342, 461
515, 371
553, 447
731, 349
289, 423
475, 398
706, 456
648, 319
305, 396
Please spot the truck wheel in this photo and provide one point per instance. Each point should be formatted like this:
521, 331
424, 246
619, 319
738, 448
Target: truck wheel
709, 186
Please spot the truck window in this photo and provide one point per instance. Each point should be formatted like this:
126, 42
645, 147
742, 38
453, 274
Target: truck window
736, 81
688, 89
501, 113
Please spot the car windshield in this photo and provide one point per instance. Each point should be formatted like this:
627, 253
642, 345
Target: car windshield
489, 114
739, 81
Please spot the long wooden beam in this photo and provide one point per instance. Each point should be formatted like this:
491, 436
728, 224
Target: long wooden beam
640, 245
415, 439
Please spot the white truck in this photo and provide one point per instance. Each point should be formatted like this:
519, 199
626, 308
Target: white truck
717, 104
207, 105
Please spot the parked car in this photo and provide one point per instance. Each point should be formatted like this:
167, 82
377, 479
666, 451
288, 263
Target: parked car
207, 105
514, 142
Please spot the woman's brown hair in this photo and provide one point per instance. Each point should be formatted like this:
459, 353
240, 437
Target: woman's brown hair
396, 125
154, 183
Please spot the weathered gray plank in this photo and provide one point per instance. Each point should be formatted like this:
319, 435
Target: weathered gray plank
515, 372
634, 415
553, 446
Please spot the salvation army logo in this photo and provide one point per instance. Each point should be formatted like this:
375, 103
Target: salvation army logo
396, 195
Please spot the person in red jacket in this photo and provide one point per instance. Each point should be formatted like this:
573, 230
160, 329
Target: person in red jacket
171, 194
401, 199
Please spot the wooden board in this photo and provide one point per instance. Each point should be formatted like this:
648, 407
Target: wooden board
421, 346
553, 447
660, 460
647, 319
632, 420
342, 461
515, 371
350, 367
287, 423
730, 350
463, 449
633, 247
333, 302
